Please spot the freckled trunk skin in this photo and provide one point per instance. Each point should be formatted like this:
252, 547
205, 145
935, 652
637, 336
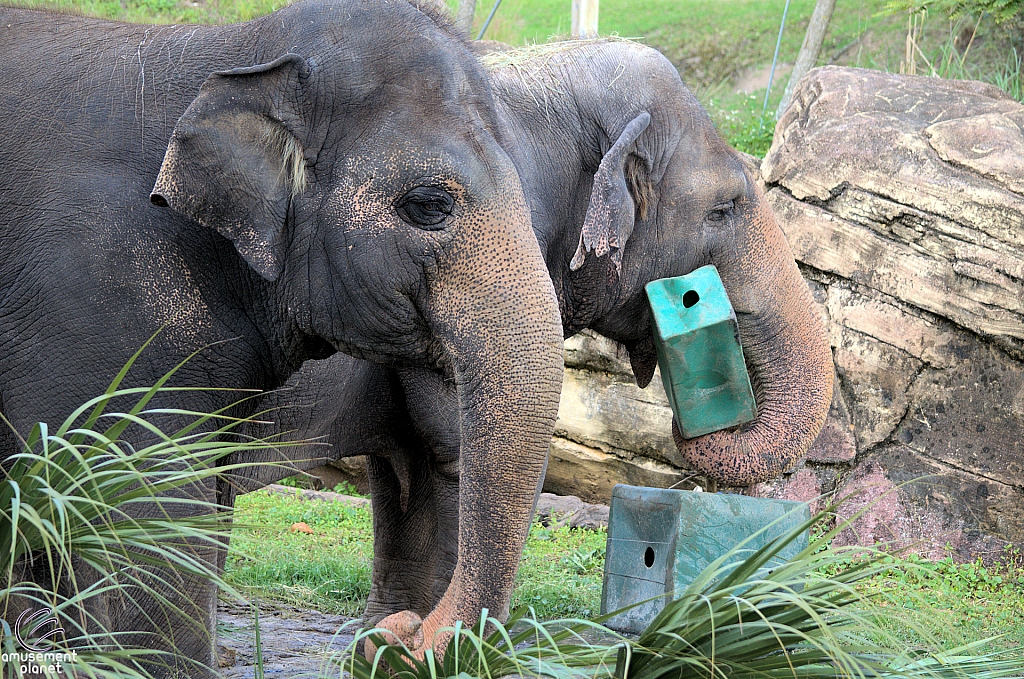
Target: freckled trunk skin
496, 312
787, 352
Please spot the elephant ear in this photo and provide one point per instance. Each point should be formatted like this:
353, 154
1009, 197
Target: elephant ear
234, 165
610, 214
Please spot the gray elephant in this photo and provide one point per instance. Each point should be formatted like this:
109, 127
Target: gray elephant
332, 183
627, 182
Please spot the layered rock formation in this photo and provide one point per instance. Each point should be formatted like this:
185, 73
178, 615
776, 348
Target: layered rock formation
609, 430
903, 199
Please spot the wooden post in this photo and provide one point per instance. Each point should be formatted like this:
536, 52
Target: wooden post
464, 19
584, 18
809, 51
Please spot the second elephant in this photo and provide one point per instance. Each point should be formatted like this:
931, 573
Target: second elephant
627, 182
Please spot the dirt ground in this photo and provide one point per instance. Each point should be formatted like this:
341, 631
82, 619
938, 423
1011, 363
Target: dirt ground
754, 79
296, 643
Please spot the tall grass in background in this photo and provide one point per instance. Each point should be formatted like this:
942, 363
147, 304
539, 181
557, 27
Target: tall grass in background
949, 56
1007, 76
84, 515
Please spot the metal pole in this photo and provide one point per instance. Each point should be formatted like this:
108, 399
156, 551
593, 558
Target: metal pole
489, 17
775, 60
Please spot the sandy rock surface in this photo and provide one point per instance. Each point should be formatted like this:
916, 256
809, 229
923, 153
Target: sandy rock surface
903, 199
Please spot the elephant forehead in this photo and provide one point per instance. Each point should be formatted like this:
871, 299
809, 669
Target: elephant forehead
422, 72
382, 171
704, 184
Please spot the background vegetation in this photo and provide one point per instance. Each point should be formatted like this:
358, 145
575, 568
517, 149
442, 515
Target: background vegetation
723, 48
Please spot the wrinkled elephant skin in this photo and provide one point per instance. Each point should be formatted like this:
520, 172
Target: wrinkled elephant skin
627, 182
326, 178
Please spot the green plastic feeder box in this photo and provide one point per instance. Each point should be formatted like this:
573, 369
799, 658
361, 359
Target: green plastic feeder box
660, 540
699, 353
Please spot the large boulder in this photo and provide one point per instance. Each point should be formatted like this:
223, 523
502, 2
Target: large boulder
903, 200
609, 430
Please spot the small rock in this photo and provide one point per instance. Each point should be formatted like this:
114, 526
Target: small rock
559, 510
324, 495
226, 657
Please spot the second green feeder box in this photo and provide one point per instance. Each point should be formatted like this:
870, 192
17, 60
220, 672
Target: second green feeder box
698, 344
660, 540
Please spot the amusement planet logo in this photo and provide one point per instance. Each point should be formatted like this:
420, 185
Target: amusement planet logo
37, 660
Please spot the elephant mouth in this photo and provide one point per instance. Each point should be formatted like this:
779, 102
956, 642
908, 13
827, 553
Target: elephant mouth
643, 359
431, 356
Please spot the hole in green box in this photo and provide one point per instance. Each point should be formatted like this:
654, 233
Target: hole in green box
649, 557
690, 297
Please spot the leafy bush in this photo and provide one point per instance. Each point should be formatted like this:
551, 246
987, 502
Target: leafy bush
1000, 10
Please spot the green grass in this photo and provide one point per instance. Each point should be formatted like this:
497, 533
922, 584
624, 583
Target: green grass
961, 601
328, 570
561, 572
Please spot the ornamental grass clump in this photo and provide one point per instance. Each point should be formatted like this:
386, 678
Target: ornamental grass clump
521, 647
746, 616
84, 515
803, 618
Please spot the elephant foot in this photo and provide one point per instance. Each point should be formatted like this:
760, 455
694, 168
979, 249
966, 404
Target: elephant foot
404, 628
415, 633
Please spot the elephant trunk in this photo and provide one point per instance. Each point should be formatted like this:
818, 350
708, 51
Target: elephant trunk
787, 353
496, 314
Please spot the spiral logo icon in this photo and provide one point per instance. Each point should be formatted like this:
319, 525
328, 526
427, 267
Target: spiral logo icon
24, 621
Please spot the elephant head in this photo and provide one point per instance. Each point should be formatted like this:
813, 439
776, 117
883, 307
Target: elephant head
357, 173
629, 182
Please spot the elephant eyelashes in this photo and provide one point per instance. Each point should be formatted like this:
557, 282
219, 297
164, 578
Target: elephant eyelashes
720, 212
426, 206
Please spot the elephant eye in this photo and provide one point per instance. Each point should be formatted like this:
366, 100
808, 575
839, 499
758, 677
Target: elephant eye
720, 212
426, 206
